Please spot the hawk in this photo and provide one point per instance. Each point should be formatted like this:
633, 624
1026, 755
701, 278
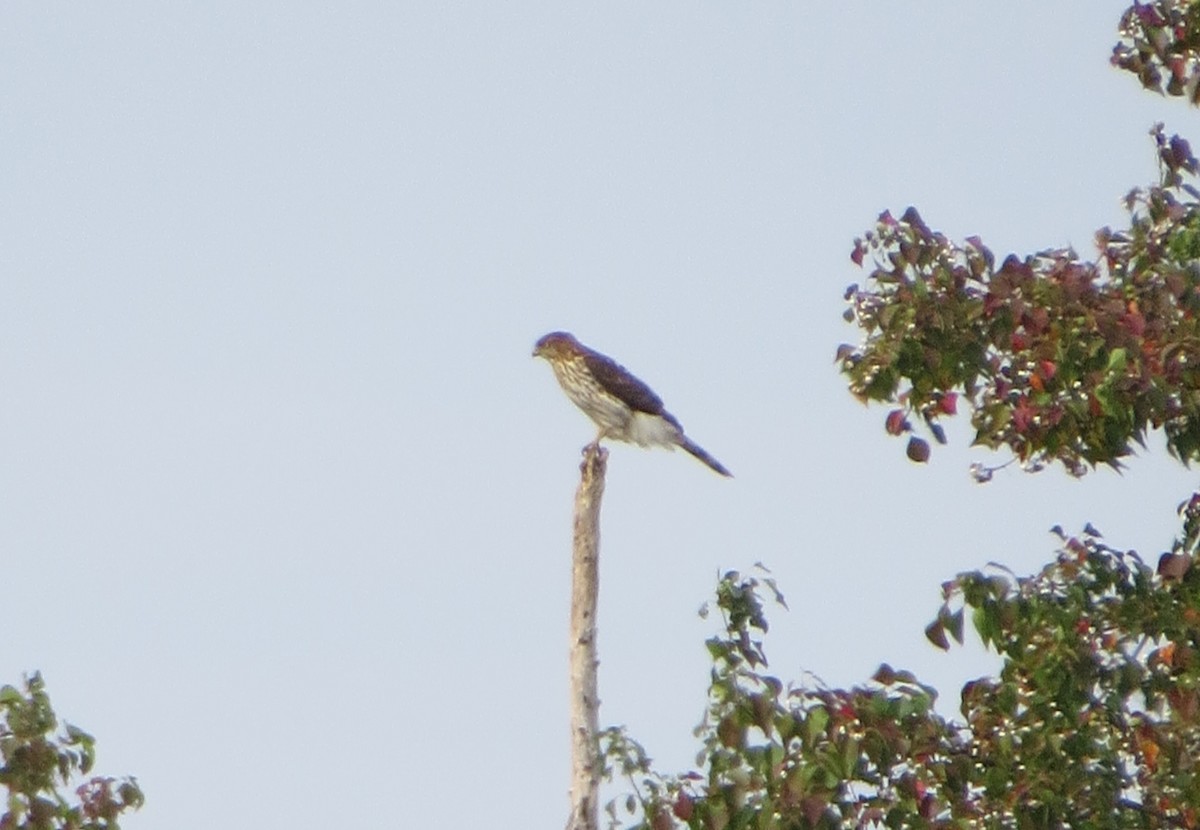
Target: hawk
622, 406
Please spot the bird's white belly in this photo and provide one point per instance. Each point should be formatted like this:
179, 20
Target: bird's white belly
651, 431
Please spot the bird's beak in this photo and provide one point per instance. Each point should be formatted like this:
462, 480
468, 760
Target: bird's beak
537, 351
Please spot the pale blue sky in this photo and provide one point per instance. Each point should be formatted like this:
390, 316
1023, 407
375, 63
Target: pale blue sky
287, 502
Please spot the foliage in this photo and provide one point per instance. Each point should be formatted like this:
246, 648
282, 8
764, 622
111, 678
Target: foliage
1092, 721
1059, 358
1160, 44
36, 763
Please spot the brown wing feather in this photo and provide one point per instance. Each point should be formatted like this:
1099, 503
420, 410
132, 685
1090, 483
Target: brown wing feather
621, 384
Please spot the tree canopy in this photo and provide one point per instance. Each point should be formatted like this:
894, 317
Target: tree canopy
1094, 718
37, 763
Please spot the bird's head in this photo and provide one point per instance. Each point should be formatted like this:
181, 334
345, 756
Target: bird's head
556, 344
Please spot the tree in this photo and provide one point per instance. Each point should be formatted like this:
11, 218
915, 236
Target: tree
1059, 358
36, 763
1094, 718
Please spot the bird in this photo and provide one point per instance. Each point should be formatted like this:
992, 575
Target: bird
624, 407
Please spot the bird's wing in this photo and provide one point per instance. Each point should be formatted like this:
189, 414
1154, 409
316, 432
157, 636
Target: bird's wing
621, 384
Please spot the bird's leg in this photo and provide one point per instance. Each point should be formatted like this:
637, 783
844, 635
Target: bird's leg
595, 445
594, 454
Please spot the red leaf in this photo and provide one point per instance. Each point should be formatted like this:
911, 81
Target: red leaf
1036, 320
918, 450
948, 403
683, 807
1022, 417
1182, 152
1174, 565
1147, 14
814, 807
935, 632
911, 217
1179, 68
856, 256
1134, 323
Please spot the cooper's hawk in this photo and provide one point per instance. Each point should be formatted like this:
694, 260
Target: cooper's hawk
622, 406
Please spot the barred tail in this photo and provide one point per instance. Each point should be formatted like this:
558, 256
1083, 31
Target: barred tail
698, 451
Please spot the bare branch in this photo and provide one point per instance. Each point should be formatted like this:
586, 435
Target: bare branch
585, 588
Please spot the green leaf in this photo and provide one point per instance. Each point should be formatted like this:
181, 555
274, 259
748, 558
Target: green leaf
75, 735
776, 754
985, 625
1117, 362
815, 723
848, 754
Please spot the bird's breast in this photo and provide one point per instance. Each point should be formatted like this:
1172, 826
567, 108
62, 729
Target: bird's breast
607, 410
